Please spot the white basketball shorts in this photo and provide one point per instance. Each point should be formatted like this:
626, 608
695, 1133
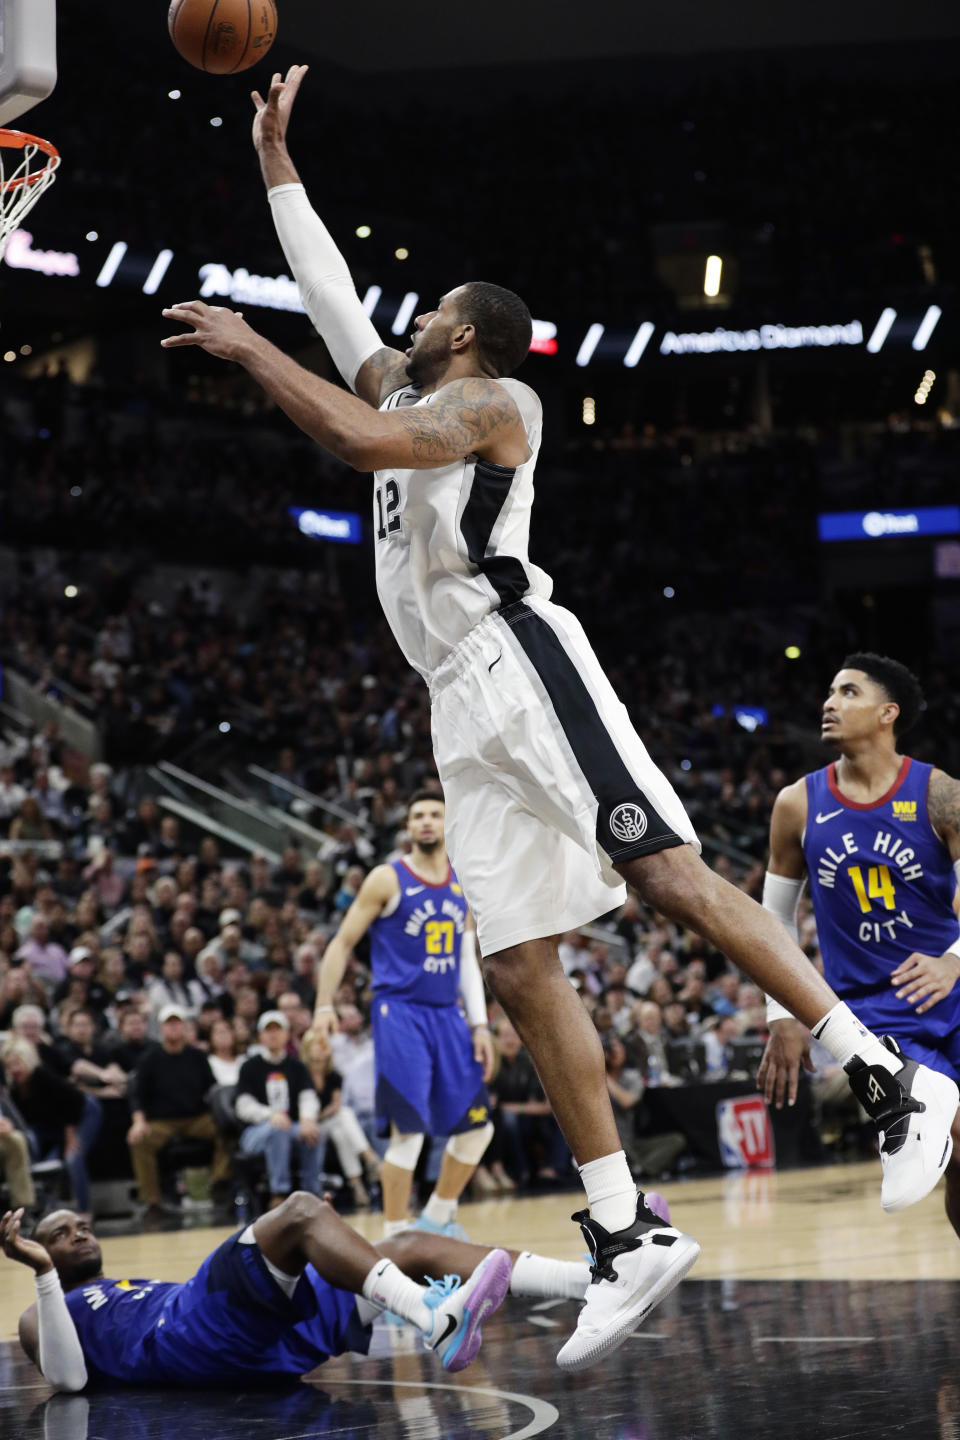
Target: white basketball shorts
547, 783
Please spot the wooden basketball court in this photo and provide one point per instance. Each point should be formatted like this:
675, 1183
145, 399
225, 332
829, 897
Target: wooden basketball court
810, 1313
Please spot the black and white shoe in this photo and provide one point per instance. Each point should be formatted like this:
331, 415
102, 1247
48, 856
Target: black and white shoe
913, 1110
632, 1271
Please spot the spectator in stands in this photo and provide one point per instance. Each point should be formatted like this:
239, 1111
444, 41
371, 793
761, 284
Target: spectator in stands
647, 1031
718, 1046
47, 960
279, 1106
130, 1041
30, 823
168, 1098
18, 987
12, 794
88, 1062
15, 1154
105, 882
649, 1155
530, 1143
111, 975
171, 988
723, 993
222, 1053
29, 1022
81, 967
338, 1122
60, 1120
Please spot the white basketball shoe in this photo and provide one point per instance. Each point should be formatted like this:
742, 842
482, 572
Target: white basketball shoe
913, 1110
632, 1271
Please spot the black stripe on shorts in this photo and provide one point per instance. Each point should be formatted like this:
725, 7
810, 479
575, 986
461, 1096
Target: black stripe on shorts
628, 824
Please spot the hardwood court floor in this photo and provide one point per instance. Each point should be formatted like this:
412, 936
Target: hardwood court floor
810, 1314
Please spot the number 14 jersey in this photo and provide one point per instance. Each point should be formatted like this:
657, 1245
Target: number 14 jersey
881, 882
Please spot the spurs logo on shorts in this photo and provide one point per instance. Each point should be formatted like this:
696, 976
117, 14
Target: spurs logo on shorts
628, 822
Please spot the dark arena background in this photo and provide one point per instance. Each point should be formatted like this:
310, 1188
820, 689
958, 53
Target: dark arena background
736, 229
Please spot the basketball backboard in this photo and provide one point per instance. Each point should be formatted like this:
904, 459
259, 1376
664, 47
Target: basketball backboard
28, 55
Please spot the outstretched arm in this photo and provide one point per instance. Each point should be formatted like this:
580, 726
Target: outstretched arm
323, 278
471, 416
376, 892
789, 1045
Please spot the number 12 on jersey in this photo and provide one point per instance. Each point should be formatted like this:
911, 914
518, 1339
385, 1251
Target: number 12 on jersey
387, 500
879, 886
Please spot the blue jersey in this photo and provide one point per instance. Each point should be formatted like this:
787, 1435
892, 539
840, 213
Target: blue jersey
229, 1321
415, 949
882, 886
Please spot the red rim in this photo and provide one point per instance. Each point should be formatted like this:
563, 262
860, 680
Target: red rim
19, 140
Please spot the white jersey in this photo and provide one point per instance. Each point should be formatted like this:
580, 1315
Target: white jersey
452, 543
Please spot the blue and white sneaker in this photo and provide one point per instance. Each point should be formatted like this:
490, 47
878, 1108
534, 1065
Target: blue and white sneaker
461, 1309
452, 1230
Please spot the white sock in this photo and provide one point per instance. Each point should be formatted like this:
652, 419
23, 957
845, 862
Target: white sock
844, 1037
611, 1192
441, 1212
388, 1287
546, 1279
393, 1227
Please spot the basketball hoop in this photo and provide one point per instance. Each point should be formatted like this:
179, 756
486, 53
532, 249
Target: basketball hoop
27, 168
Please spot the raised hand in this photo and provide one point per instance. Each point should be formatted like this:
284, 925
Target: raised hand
15, 1247
273, 114
221, 331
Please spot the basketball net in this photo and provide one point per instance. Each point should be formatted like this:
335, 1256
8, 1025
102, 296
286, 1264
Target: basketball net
28, 166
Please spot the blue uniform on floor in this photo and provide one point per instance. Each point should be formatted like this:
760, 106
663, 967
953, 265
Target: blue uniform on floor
231, 1321
427, 1079
882, 884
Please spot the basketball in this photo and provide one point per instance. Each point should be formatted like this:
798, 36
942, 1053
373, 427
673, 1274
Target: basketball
222, 36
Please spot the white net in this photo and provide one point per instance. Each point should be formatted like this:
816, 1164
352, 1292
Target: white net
28, 166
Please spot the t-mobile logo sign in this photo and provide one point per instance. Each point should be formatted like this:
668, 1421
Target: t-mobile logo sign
744, 1132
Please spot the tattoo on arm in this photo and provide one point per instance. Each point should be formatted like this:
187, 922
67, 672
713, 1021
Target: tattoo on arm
461, 419
943, 804
384, 372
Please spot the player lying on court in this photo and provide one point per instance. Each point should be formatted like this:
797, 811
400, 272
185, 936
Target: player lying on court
293, 1289
878, 836
553, 801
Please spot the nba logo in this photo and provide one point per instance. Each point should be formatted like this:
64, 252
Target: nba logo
744, 1133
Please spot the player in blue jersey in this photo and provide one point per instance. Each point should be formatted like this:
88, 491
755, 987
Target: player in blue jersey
273, 1301
432, 1060
877, 835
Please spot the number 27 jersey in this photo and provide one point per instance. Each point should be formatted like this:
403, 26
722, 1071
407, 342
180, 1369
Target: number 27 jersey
415, 946
881, 880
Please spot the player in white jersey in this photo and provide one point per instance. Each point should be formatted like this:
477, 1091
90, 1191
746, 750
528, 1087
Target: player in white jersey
554, 801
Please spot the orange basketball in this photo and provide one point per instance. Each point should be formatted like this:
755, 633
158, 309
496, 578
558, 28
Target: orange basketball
222, 36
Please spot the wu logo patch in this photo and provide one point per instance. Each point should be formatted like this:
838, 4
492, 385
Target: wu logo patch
628, 822
477, 1114
904, 809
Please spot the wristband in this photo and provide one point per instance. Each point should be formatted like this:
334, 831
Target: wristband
324, 1010
776, 1011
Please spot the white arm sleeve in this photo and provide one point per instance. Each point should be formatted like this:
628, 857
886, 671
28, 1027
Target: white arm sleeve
471, 981
781, 896
308, 1106
324, 281
60, 1352
250, 1110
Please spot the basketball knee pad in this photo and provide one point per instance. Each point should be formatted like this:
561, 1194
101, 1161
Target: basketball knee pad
470, 1145
403, 1150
